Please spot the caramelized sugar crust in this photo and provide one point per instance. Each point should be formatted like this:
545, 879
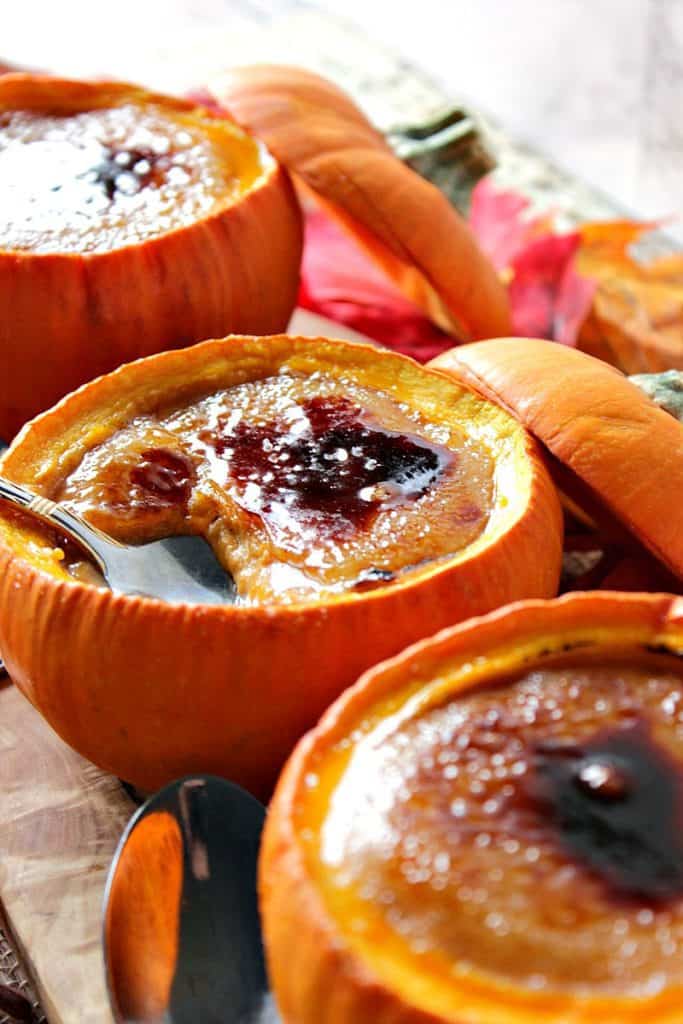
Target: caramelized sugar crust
97, 180
531, 830
306, 486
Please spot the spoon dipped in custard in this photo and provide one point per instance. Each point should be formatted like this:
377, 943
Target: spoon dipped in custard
174, 569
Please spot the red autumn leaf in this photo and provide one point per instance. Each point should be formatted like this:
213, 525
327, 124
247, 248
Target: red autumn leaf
339, 281
548, 298
537, 274
574, 300
499, 219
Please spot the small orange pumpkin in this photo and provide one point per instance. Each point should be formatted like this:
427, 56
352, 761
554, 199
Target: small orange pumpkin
488, 828
616, 452
134, 222
175, 689
404, 223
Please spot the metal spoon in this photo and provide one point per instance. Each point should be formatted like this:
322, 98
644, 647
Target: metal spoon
173, 569
182, 938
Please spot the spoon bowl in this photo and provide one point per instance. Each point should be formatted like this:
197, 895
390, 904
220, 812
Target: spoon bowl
174, 569
182, 936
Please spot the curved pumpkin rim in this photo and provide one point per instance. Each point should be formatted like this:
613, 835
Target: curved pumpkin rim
595, 617
537, 487
23, 82
305, 120
533, 380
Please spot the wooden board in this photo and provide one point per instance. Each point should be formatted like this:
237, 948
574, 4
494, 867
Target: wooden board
60, 821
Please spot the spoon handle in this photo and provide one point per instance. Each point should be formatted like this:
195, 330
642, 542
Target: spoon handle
93, 541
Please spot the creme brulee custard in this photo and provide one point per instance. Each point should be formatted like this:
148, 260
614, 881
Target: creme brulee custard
528, 830
307, 486
100, 179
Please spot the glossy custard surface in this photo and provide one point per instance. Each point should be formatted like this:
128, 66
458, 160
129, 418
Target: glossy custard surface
305, 485
105, 178
531, 830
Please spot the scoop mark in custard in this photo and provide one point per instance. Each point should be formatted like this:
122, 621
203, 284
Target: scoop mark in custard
164, 476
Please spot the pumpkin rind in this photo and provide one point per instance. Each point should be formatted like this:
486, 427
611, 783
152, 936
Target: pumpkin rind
68, 317
177, 689
405, 223
595, 422
319, 972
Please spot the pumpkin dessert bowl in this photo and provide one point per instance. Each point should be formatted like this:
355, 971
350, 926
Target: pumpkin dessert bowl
358, 500
132, 222
488, 828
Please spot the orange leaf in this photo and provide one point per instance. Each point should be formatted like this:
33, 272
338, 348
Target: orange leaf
637, 318
605, 240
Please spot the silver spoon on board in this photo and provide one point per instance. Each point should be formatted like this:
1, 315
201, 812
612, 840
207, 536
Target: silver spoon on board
174, 569
182, 936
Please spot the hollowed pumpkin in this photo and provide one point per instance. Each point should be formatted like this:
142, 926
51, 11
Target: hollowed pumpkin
488, 829
132, 222
615, 451
360, 501
401, 220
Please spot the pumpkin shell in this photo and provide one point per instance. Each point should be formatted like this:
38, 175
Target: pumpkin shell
67, 317
318, 974
616, 451
151, 690
404, 223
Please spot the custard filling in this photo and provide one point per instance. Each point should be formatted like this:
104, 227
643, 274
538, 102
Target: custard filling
97, 180
305, 486
531, 830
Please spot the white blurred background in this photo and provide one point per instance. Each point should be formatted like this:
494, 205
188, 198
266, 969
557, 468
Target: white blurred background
596, 84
